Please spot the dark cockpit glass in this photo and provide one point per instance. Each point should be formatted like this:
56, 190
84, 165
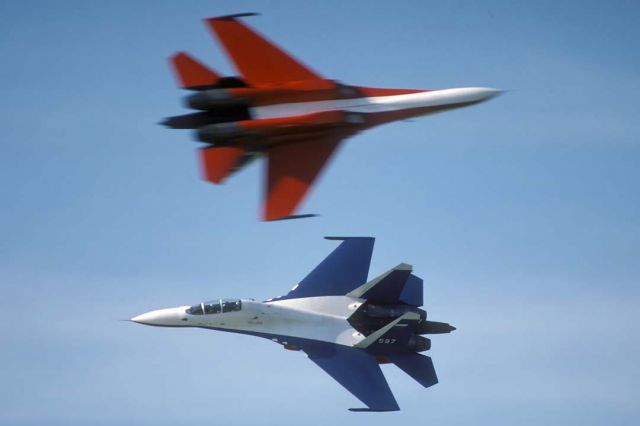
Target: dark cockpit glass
195, 310
215, 307
229, 305
212, 307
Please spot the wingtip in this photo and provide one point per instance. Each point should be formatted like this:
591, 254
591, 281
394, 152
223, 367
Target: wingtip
295, 216
232, 16
372, 410
405, 267
332, 238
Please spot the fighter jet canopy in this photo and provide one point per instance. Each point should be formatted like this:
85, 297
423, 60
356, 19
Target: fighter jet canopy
215, 307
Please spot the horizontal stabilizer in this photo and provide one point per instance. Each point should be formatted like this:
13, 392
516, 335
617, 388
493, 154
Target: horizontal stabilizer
420, 367
192, 74
387, 288
220, 162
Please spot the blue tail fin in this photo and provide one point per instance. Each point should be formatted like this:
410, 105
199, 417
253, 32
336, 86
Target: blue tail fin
397, 285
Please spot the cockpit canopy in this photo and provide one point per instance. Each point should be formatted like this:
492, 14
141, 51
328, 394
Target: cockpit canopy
215, 307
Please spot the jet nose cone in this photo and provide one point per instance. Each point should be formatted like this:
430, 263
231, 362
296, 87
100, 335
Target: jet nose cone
467, 95
146, 318
162, 317
485, 93
492, 93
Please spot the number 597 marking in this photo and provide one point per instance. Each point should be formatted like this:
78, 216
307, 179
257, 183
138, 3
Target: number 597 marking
386, 341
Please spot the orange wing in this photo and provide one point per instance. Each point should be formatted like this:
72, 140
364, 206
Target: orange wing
292, 168
258, 60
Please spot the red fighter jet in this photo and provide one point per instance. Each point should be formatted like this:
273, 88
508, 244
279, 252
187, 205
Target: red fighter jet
284, 111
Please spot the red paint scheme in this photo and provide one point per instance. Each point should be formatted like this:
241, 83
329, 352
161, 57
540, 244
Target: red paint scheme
259, 61
296, 147
191, 73
291, 170
219, 162
290, 126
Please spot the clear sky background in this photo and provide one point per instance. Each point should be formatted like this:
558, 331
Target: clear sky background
521, 214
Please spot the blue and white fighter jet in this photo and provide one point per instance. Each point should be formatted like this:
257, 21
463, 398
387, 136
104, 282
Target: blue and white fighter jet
345, 324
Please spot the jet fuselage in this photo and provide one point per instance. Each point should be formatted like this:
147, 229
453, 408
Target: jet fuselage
317, 318
280, 115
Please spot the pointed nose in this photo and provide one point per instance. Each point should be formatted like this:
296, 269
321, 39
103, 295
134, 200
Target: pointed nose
462, 96
482, 93
172, 317
492, 93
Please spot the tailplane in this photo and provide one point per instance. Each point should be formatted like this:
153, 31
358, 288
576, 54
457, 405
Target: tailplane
192, 74
220, 162
419, 367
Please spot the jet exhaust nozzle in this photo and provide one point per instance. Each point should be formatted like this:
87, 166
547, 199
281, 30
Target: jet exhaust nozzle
419, 343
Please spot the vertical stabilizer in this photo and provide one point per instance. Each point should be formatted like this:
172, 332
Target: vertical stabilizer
390, 287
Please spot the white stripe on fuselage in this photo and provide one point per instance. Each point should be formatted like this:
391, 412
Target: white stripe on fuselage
316, 318
377, 103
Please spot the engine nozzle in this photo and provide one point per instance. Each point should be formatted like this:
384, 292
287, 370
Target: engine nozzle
419, 343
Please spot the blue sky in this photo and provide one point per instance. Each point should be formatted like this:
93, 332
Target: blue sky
521, 214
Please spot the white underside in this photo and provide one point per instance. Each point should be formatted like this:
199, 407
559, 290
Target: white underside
378, 103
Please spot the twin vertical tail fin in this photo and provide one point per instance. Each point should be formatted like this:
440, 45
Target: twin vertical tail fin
398, 288
398, 285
